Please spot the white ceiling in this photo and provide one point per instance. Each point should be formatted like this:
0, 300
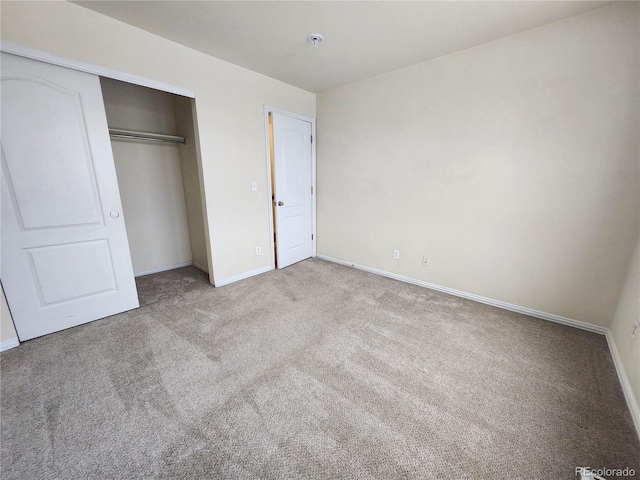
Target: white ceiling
362, 39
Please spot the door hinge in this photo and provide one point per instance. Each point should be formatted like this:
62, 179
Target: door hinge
311, 138
311, 190
312, 236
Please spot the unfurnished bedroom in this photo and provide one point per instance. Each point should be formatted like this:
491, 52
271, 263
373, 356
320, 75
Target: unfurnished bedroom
309, 239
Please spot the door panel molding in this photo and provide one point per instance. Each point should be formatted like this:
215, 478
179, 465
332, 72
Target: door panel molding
57, 257
77, 155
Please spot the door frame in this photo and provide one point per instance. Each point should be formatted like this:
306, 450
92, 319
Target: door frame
46, 57
312, 121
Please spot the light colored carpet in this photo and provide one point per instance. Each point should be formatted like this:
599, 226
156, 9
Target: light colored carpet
314, 371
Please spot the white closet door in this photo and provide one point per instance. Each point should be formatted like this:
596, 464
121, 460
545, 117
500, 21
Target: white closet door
65, 256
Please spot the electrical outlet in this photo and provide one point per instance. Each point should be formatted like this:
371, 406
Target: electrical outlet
254, 187
258, 251
396, 254
426, 261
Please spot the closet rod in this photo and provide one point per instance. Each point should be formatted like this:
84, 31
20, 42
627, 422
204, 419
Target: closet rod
146, 136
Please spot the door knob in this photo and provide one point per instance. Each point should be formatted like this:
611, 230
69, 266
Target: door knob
114, 214
280, 204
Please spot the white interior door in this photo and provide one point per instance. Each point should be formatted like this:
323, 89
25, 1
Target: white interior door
293, 195
65, 256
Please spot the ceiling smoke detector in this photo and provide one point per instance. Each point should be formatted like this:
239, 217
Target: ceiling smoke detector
315, 39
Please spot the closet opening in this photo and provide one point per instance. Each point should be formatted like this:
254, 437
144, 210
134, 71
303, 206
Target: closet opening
154, 150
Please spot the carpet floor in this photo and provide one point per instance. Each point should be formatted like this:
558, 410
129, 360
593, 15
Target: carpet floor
313, 371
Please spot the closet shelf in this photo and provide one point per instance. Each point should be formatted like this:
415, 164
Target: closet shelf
145, 136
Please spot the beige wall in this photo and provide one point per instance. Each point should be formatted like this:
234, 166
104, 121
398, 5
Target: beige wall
7, 330
627, 313
229, 104
149, 177
191, 179
513, 165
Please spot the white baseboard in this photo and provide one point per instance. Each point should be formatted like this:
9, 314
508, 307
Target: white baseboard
9, 344
629, 396
163, 269
488, 301
242, 276
200, 267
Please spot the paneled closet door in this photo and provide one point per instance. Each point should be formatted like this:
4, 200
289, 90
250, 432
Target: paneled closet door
65, 255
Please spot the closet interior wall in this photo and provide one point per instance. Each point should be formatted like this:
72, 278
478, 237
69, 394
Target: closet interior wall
159, 182
184, 108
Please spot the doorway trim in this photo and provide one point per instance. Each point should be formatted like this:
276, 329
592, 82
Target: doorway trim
312, 121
